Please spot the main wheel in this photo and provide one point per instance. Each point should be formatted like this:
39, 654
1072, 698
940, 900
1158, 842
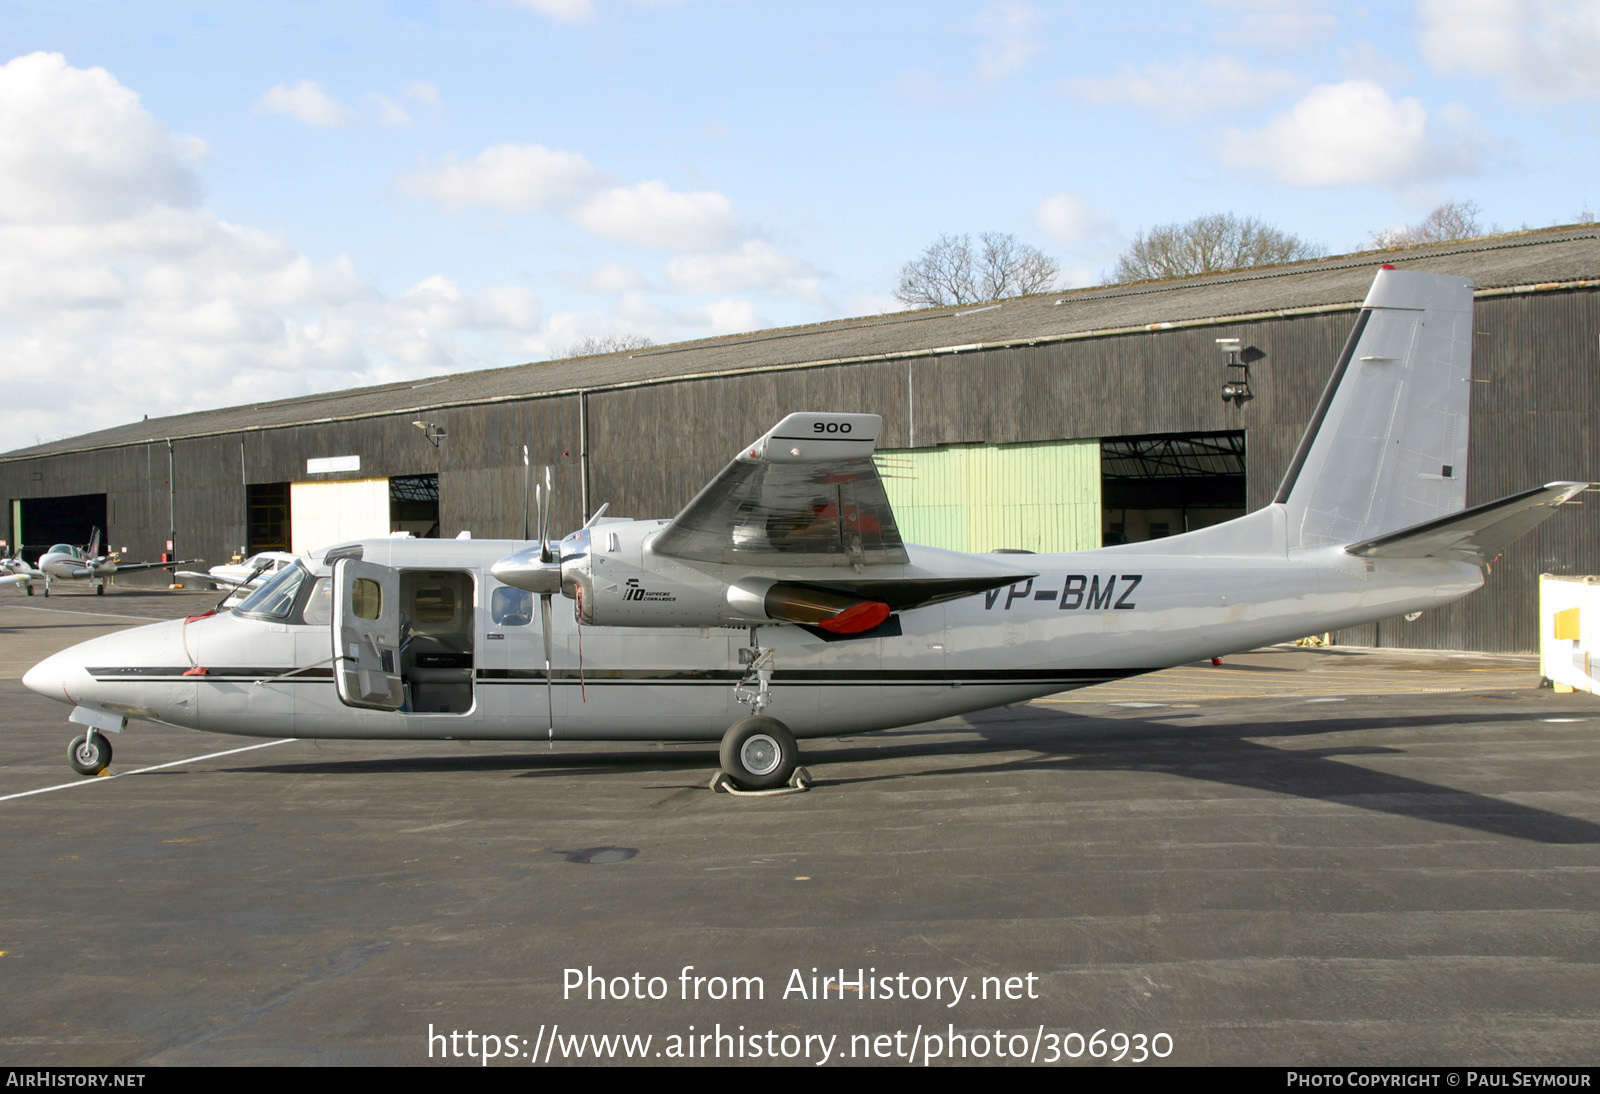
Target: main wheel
759, 753
30, 590
99, 590
90, 754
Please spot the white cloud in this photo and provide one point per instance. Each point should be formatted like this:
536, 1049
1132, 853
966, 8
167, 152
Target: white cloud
563, 11
1539, 49
530, 178
389, 112
121, 295
76, 147
649, 214
305, 101
1351, 133
1275, 24
421, 91
1187, 88
613, 277
755, 264
515, 178
1075, 224
726, 316
1011, 31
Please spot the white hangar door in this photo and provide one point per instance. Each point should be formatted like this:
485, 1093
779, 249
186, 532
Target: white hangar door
323, 513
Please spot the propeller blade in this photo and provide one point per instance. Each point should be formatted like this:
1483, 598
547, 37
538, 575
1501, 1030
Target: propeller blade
545, 554
549, 684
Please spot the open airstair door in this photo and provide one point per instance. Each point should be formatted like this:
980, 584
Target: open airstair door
366, 635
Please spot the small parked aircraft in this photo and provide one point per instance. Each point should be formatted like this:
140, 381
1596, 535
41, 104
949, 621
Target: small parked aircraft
239, 578
14, 571
782, 603
63, 562
255, 569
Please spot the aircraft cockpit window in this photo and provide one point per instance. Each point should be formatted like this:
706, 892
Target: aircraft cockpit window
366, 598
319, 605
276, 597
511, 607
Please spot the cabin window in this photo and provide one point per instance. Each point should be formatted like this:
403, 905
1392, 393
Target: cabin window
366, 598
511, 607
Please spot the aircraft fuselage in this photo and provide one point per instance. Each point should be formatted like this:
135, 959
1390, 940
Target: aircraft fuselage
472, 663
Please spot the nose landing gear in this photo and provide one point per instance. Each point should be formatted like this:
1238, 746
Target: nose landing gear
90, 754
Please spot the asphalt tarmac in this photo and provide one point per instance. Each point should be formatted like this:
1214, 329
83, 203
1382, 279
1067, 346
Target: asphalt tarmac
1301, 857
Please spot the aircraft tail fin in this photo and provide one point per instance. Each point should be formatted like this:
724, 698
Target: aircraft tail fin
94, 544
1475, 535
1387, 445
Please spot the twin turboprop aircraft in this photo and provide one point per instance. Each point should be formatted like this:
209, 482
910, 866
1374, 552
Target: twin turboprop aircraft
782, 603
64, 562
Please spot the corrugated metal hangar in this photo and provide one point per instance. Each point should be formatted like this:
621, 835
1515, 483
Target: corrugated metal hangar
1052, 422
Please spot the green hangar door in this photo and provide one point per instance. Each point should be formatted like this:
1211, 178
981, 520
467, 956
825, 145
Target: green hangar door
1164, 484
1040, 496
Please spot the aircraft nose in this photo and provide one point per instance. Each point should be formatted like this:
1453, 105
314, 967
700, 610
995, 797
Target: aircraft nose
56, 677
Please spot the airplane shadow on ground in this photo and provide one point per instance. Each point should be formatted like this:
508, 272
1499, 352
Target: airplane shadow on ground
1065, 742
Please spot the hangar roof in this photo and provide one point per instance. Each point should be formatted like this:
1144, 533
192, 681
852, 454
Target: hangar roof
1548, 257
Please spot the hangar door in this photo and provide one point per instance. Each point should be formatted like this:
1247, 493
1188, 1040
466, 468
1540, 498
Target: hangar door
39, 523
1159, 485
1040, 496
324, 513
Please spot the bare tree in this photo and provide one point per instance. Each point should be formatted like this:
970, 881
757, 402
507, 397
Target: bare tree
1452, 220
951, 272
606, 343
1209, 244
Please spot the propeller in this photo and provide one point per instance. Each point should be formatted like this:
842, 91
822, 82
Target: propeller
546, 558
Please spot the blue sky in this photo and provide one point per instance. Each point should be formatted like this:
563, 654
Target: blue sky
207, 204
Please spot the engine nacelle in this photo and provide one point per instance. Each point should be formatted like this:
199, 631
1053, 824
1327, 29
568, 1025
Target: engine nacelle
616, 581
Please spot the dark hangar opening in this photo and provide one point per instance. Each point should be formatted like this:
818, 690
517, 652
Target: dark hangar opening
1162, 484
267, 528
40, 523
414, 505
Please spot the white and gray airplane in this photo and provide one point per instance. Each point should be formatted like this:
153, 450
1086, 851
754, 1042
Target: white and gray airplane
782, 603
239, 578
64, 562
14, 571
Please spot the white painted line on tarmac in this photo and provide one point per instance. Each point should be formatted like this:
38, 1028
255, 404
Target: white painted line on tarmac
69, 611
124, 774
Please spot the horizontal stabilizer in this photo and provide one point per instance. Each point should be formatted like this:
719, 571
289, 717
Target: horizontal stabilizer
1475, 535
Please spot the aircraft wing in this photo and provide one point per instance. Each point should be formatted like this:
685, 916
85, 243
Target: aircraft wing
1474, 535
806, 494
17, 579
124, 567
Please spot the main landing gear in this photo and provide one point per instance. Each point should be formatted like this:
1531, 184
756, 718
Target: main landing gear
758, 752
90, 754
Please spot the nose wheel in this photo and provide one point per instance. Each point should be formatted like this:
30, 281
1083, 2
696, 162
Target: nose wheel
90, 754
759, 753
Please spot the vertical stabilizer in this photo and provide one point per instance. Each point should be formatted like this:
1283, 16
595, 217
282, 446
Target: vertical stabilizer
1387, 445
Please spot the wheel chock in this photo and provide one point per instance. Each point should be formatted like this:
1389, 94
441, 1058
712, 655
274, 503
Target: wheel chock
799, 783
